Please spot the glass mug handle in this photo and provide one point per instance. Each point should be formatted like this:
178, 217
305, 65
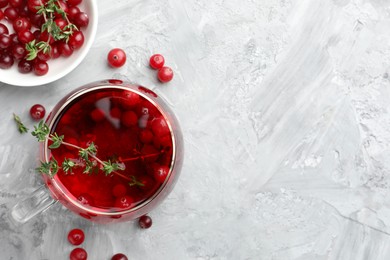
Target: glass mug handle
37, 202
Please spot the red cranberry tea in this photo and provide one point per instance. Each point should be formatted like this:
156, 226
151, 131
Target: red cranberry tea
126, 129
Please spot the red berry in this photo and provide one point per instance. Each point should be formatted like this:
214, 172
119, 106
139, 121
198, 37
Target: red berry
160, 172
40, 67
81, 19
3, 3
72, 11
6, 60
65, 49
146, 136
25, 66
3, 29
160, 126
33, 5
1, 15
76, 40
147, 181
124, 202
145, 221
74, 2
78, 254
18, 51
119, 257
60, 22
37, 111
129, 118
14, 38
45, 56
116, 58
165, 74
46, 37
15, 3
129, 99
25, 36
55, 53
115, 112
5, 41
156, 61
11, 13
98, 115
21, 24
119, 190
76, 236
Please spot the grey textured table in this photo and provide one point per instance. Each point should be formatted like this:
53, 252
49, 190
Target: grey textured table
284, 109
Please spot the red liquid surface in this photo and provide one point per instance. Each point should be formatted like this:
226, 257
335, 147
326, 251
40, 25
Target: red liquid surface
126, 128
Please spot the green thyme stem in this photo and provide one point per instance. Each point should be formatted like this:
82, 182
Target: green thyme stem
92, 156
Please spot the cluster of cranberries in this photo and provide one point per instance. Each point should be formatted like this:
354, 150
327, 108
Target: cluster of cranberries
117, 58
76, 237
25, 26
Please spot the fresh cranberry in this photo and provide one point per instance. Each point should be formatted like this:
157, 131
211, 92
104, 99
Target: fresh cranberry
165, 74
11, 13
160, 126
25, 66
145, 222
3, 3
119, 257
74, 2
76, 237
115, 112
33, 5
6, 61
55, 53
146, 136
46, 37
129, 118
5, 41
129, 99
119, 190
45, 56
64, 6
156, 61
37, 20
72, 11
65, 49
124, 202
76, 40
14, 38
98, 115
15, 3
160, 172
162, 141
3, 29
60, 22
81, 19
23, 11
116, 58
21, 24
78, 254
18, 51
37, 111
41, 67
147, 182
1, 15
25, 36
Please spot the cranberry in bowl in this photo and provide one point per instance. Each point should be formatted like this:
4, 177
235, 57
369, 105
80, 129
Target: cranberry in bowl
40, 47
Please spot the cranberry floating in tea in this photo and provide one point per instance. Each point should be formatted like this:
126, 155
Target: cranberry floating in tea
113, 152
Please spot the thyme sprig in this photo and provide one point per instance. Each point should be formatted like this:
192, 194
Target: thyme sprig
49, 10
21, 127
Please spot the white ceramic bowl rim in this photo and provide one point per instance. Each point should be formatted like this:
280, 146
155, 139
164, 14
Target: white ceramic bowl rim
60, 67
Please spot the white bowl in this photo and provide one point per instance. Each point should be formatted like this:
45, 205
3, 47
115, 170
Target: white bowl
61, 66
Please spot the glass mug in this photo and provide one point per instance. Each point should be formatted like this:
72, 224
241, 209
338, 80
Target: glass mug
131, 126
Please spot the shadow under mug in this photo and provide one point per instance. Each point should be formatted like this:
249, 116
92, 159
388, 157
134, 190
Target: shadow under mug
41, 199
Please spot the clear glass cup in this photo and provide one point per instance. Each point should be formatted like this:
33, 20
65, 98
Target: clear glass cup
66, 188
